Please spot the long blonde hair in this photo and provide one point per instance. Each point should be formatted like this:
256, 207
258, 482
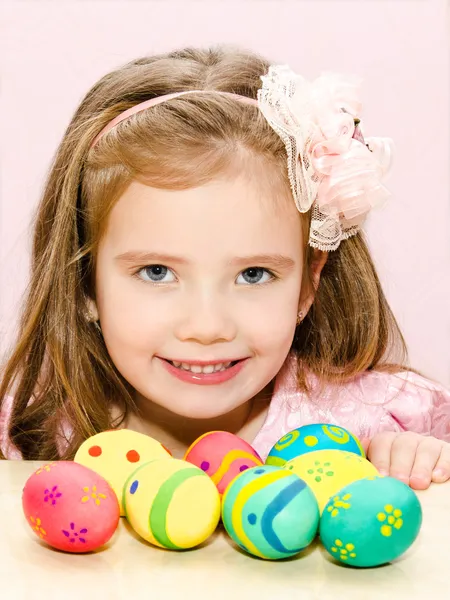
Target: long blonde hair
60, 360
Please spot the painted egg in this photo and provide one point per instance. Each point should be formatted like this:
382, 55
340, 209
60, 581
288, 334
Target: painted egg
327, 471
270, 512
116, 454
70, 507
222, 455
172, 504
371, 522
310, 438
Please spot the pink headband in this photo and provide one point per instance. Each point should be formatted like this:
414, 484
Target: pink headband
153, 101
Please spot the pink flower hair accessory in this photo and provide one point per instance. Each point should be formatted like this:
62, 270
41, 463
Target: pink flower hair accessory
332, 170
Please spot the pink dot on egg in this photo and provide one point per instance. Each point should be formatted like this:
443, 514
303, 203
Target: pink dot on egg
204, 466
243, 468
95, 451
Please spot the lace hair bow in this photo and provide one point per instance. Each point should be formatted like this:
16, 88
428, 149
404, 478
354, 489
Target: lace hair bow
332, 170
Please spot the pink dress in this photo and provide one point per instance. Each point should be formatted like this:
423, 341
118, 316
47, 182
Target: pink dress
370, 403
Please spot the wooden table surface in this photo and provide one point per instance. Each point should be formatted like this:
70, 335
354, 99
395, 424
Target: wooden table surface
129, 567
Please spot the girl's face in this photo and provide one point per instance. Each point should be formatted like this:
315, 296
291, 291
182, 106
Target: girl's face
206, 275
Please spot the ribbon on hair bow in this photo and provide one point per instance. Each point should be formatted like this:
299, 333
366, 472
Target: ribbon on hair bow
329, 162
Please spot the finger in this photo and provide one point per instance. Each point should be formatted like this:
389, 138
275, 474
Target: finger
403, 454
365, 443
379, 451
427, 455
441, 472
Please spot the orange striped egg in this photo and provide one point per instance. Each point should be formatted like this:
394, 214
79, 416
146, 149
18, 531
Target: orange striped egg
223, 456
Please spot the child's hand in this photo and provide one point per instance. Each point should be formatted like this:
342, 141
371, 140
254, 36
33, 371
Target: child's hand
415, 459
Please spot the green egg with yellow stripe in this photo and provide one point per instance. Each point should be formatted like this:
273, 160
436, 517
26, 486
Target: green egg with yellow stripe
270, 512
171, 503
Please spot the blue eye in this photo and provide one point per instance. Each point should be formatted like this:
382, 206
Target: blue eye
254, 275
154, 273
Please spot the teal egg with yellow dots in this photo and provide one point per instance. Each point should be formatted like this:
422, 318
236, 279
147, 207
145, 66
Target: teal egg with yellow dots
371, 522
270, 512
309, 438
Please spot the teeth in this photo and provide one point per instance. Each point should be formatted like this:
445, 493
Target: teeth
207, 369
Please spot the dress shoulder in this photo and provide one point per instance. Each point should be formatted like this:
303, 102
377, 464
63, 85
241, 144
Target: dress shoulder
9, 451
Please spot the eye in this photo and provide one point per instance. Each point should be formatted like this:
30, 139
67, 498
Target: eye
154, 274
255, 275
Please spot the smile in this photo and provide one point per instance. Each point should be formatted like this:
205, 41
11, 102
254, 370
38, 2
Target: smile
212, 368
203, 374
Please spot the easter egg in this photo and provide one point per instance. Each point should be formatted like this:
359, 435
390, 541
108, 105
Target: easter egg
270, 512
116, 454
222, 455
371, 522
310, 438
172, 504
70, 507
327, 471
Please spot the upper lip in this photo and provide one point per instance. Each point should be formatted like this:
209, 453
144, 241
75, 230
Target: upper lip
203, 363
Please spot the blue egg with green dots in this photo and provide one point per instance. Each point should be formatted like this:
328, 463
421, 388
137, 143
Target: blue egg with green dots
308, 438
371, 522
270, 512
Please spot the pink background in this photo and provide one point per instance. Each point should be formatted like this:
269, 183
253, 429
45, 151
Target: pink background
52, 52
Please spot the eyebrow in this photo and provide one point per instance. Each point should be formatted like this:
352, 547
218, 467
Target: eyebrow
133, 256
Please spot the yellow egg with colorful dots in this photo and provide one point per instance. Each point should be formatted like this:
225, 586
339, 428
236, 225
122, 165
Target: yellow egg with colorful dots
171, 503
310, 438
327, 471
116, 454
371, 522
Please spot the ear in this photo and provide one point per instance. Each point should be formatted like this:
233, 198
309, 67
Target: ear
318, 262
91, 310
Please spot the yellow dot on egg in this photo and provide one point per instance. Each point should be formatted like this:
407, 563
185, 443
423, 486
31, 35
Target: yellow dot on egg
343, 551
333, 549
391, 520
352, 555
343, 557
311, 440
335, 512
346, 497
381, 517
350, 546
389, 508
398, 523
397, 513
338, 543
336, 498
386, 530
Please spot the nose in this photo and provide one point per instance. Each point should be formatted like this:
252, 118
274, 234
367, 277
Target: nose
206, 320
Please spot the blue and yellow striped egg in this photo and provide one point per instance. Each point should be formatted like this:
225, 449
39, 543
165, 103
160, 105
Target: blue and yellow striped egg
371, 522
171, 503
310, 438
270, 512
327, 471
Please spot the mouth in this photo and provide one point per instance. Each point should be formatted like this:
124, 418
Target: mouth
205, 368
